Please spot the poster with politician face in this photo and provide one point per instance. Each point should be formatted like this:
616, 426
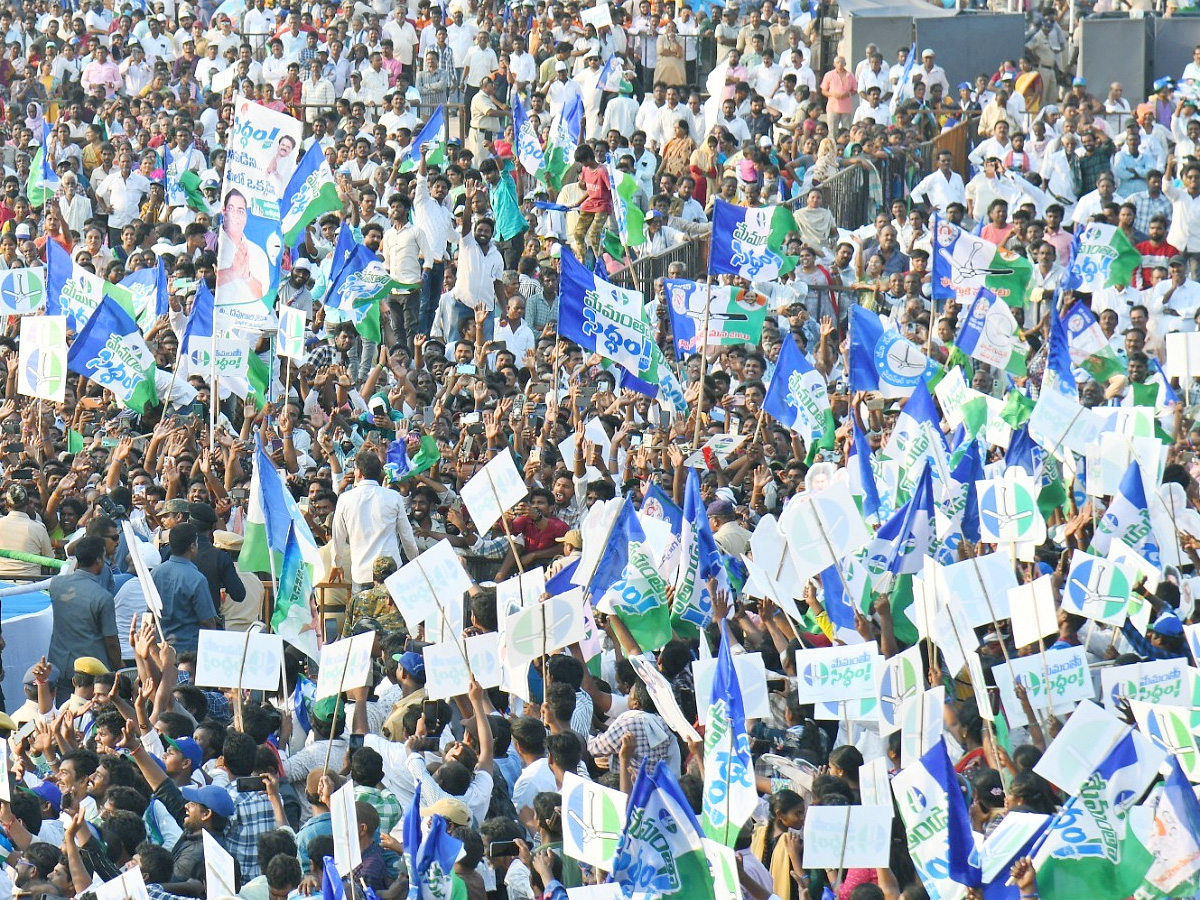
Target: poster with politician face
262, 155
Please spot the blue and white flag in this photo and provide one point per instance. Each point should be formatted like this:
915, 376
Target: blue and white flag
939, 829
331, 881
798, 396
730, 795
862, 477
882, 359
904, 85
311, 193
902, 542
989, 334
433, 871
611, 566
148, 288
964, 502
111, 351
1059, 368
749, 242
432, 132
661, 853
74, 292
195, 350
611, 75
917, 438
700, 560
1128, 519
530, 153
606, 319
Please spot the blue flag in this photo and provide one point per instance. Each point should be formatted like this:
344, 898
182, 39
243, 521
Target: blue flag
611, 567
111, 351
903, 88
730, 796
797, 396
196, 346
661, 853
605, 319
560, 582
1058, 354
657, 505
276, 517
311, 192
882, 359
529, 151
749, 242
433, 863
902, 542
342, 250
430, 133
967, 473
932, 807
303, 695
862, 477
837, 603
700, 560
149, 290
331, 881
1128, 519
410, 832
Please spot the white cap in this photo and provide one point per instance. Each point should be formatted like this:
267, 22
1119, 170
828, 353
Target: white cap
560, 66
927, 52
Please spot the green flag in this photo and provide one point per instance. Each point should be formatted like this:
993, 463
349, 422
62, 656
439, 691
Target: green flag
640, 601
1017, 409
631, 221
36, 188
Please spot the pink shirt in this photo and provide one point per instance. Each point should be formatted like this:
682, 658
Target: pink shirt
837, 84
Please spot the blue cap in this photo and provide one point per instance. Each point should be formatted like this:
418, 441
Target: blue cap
965, 85
189, 748
1168, 623
1079, 81
211, 797
410, 662
48, 792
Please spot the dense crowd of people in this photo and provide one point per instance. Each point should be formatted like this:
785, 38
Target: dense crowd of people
677, 498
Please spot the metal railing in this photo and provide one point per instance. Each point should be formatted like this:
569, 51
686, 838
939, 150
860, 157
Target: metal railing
642, 273
848, 196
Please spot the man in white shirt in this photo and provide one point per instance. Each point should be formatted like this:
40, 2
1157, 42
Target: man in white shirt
871, 109
156, 44
403, 36
480, 281
875, 75
522, 65
621, 112
370, 521
931, 73
765, 77
941, 187
562, 90
1185, 217
274, 67
460, 35
801, 70
123, 191
374, 81
478, 62
731, 122
672, 111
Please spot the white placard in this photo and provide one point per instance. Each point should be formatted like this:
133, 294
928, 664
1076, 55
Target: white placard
719, 446
1098, 588
483, 650
446, 675
1070, 681
1183, 354
980, 587
544, 627
1010, 835
1163, 682
752, 683
593, 819
218, 868
843, 837
231, 659
1085, 740
599, 15
1008, 510
608, 891
921, 724
149, 588
419, 586
829, 674
493, 490
22, 291
664, 698
520, 590
1032, 609
821, 528
42, 358
347, 854
345, 664
899, 678
874, 785
129, 885
1060, 423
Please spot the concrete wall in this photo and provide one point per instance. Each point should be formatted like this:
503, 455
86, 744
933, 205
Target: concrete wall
970, 43
889, 33
1173, 40
1117, 50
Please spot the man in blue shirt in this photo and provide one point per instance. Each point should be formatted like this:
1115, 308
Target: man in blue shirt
187, 602
85, 621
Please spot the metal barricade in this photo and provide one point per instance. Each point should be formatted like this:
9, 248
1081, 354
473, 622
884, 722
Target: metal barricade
847, 196
642, 273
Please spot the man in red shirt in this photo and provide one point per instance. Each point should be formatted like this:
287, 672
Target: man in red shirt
540, 530
595, 207
1155, 250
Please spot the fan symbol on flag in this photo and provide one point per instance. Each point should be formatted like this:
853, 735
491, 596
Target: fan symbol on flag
968, 270
1003, 505
1085, 586
1173, 736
